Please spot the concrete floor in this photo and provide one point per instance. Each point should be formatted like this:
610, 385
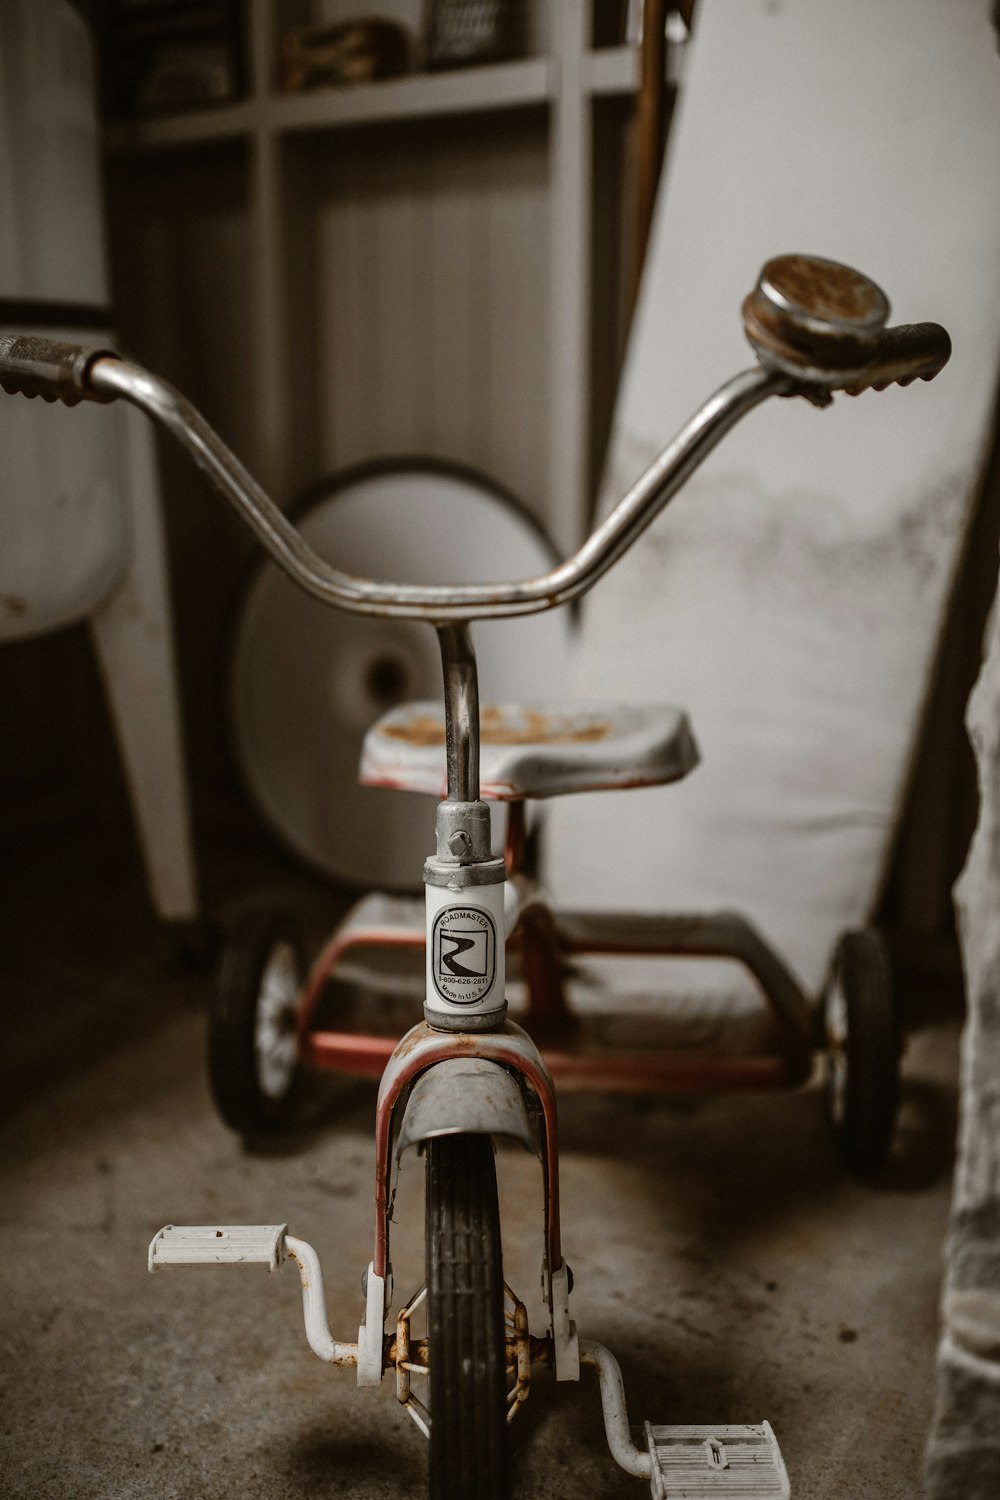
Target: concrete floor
717, 1248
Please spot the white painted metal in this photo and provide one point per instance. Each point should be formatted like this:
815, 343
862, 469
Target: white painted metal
744, 1463
793, 599
535, 752
616, 1428
218, 1244
256, 1245
465, 949
565, 1340
372, 1330
321, 1341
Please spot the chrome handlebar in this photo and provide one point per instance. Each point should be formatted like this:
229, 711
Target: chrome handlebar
432, 602
815, 326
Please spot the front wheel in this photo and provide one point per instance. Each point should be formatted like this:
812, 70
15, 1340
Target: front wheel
863, 1050
468, 1381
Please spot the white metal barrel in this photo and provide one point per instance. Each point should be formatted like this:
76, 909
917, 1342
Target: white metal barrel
62, 515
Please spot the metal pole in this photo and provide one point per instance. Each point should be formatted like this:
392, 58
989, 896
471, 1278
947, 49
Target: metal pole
461, 708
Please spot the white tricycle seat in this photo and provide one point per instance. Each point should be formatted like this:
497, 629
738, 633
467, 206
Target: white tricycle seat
535, 752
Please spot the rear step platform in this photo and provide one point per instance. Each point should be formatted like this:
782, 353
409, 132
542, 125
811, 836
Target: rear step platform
741, 1463
218, 1244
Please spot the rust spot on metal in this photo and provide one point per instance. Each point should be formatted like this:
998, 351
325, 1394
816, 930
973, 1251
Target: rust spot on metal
540, 728
823, 288
422, 729
816, 317
518, 1355
413, 1039
416, 1352
530, 727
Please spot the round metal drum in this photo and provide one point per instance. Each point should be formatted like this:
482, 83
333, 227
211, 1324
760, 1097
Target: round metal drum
308, 681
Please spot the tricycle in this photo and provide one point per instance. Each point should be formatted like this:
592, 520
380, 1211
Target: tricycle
466, 1076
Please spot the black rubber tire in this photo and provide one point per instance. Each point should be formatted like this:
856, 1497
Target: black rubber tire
468, 1455
245, 1098
863, 1051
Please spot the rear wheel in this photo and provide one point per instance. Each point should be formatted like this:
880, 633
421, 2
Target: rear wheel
253, 1055
863, 1047
468, 1379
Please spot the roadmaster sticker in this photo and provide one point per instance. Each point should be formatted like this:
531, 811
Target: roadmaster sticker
464, 949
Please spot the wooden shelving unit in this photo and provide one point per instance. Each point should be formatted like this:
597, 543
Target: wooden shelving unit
472, 90
509, 85
557, 88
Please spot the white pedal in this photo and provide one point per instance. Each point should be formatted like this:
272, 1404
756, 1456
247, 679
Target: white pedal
218, 1245
741, 1463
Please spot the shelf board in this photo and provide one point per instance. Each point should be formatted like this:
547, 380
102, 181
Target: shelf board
465, 91
224, 122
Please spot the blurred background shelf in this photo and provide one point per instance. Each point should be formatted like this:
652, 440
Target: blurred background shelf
543, 139
494, 86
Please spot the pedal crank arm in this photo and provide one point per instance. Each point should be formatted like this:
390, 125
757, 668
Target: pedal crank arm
679, 1461
261, 1245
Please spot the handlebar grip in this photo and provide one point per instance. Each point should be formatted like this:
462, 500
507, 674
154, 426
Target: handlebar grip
31, 366
913, 351
824, 325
